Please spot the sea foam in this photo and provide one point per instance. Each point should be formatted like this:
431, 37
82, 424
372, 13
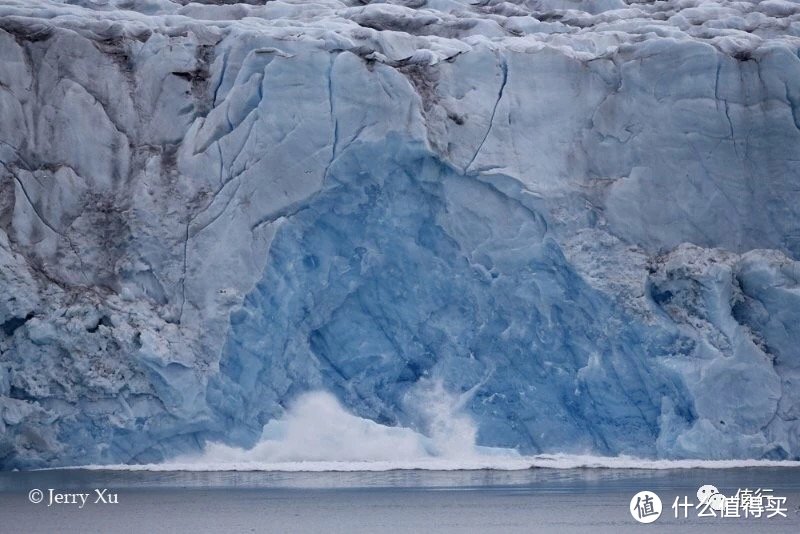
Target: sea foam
318, 434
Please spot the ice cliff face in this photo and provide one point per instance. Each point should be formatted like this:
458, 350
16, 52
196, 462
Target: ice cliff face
583, 216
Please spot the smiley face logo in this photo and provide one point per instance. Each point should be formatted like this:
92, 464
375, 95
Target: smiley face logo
716, 502
705, 492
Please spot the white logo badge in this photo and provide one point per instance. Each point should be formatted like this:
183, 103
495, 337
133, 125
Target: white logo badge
645, 507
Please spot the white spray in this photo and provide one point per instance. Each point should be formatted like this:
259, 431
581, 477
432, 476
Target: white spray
317, 433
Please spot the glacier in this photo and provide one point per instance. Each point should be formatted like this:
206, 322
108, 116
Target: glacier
580, 217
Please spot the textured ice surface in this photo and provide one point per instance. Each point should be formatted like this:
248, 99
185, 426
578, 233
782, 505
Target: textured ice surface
582, 217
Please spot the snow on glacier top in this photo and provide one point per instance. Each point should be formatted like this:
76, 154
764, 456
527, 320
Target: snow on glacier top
428, 31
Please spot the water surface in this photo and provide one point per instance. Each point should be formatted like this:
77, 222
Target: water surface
535, 500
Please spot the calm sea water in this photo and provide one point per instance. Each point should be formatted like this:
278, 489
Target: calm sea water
536, 500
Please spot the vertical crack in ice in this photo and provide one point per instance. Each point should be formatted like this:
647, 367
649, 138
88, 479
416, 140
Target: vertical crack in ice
223, 69
334, 121
726, 106
183, 277
296, 207
504, 81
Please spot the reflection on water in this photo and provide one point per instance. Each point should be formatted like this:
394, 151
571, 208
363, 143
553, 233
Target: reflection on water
532, 480
538, 500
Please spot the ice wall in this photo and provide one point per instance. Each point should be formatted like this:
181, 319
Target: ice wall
582, 217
